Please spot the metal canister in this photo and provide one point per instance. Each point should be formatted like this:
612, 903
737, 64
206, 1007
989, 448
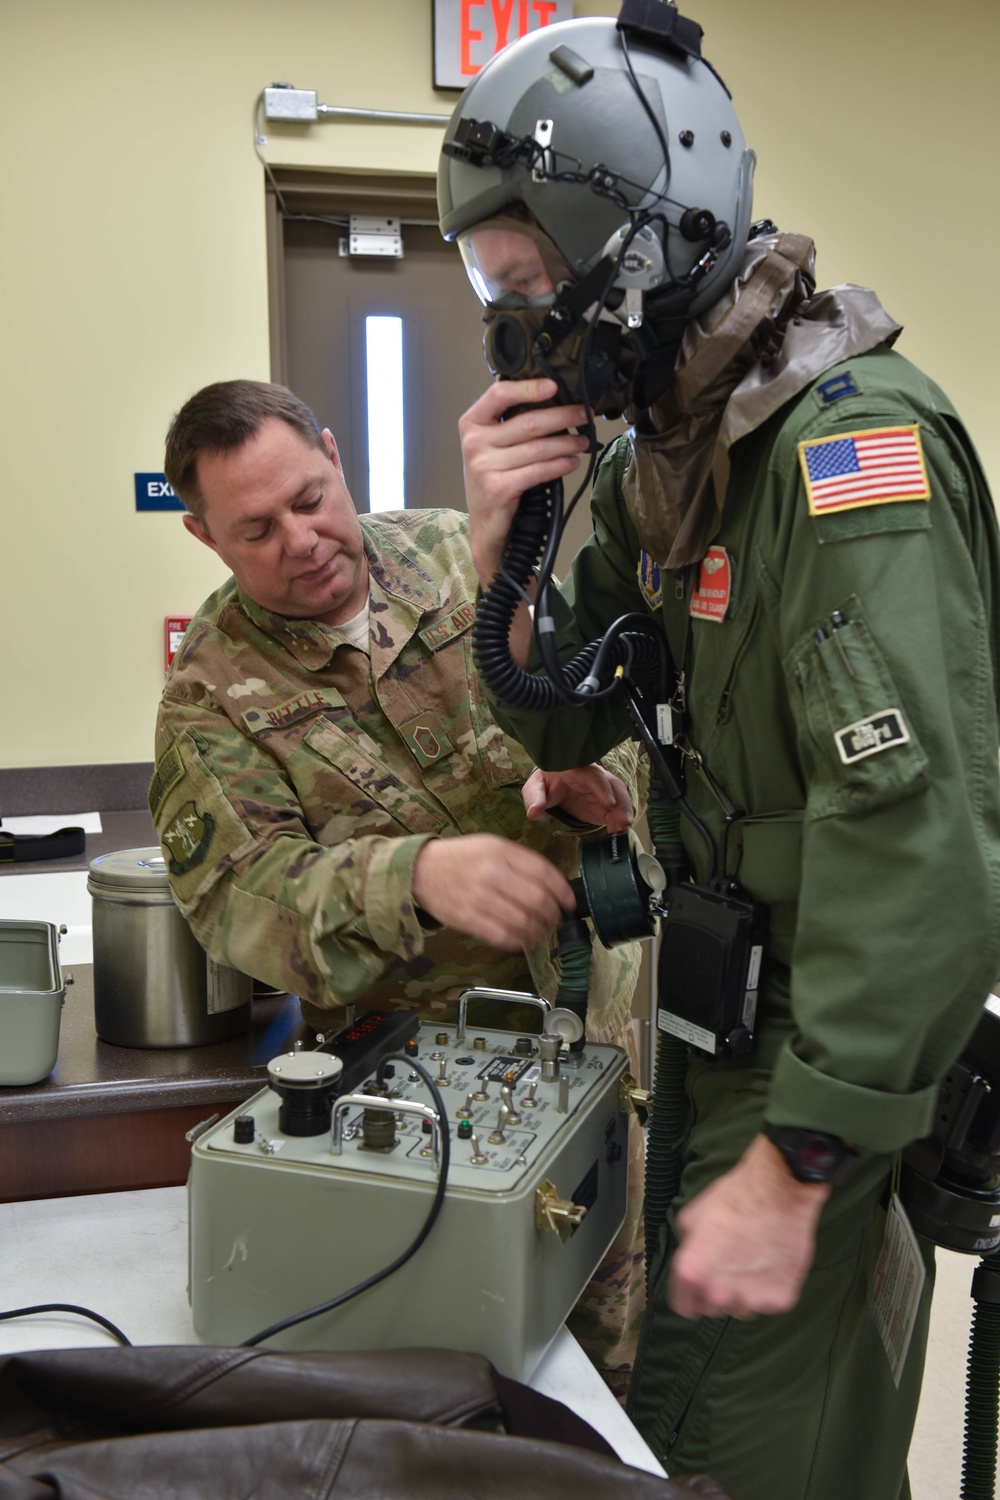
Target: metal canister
154, 985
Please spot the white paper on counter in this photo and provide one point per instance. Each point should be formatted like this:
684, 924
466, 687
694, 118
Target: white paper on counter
60, 897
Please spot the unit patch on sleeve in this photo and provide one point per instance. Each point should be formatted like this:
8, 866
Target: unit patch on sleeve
650, 580
877, 466
710, 600
187, 838
881, 731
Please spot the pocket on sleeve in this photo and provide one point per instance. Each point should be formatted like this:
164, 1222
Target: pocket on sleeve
853, 718
200, 831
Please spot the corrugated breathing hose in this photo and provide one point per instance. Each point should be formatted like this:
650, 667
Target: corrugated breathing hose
982, 1388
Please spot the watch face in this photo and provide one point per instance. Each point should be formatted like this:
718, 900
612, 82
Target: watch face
811, 1155
818, 1156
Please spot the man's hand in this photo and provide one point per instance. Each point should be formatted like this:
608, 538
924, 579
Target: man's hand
492, 889
502, 459
747, 1241
589, 793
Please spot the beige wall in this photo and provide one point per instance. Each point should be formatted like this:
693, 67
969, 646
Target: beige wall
133, 268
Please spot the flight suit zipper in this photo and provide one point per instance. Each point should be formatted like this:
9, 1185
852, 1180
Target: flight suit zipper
722, 712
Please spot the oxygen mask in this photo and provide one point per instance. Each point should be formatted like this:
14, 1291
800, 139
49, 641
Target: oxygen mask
541, 321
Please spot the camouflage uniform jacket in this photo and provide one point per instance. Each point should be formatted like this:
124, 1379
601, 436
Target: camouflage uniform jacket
297, 779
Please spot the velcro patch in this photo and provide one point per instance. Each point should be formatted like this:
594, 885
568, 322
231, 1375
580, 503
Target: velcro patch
876, 466
169, 770
650, 580
187, 838
426, 739
881, 731
710, 600
835, 388
456, 623
290, 712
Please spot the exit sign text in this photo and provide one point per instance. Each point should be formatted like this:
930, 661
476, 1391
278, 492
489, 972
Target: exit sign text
467, 33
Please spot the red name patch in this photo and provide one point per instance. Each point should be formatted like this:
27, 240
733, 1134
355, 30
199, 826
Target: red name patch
710, 600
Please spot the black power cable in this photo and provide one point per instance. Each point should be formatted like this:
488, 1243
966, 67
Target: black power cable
68, 1307
414, 1246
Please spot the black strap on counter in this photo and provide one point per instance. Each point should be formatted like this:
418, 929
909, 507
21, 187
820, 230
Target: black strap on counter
21, 848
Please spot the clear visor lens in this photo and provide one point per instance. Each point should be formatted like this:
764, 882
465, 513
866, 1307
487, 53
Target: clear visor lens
506, 268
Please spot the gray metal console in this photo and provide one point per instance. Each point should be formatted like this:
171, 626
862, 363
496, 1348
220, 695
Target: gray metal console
282, 1222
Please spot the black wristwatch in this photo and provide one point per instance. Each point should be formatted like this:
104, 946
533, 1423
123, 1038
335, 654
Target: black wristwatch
812, 1155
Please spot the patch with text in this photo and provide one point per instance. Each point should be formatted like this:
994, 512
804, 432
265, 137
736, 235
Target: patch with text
881, 731
714, 589
449, 626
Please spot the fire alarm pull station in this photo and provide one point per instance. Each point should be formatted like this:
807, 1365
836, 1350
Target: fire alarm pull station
174, 627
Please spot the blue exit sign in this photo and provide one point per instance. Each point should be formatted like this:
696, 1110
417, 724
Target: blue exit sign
152, 492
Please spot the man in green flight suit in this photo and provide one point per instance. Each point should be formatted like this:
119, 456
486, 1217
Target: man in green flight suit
339, 812
801, 514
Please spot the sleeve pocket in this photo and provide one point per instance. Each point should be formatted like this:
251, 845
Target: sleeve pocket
200, 832
854, 723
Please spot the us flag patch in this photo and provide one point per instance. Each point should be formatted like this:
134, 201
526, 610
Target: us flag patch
875, 467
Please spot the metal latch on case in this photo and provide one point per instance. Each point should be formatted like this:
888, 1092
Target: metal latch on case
631, 1096
561, 1215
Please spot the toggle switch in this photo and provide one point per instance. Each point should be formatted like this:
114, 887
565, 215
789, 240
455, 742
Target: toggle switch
498, 1136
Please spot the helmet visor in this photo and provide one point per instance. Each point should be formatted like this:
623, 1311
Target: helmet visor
505, 267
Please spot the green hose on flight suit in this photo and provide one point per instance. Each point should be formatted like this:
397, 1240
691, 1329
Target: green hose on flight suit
982, 1393
668, 1115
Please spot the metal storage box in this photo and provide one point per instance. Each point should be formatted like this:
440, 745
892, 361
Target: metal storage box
32, 990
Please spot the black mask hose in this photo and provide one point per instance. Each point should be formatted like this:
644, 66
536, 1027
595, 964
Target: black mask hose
979, 1456
512, 686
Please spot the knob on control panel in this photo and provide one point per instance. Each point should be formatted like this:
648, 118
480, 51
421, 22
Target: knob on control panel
306, 1083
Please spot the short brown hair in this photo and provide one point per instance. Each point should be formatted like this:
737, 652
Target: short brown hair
222, 417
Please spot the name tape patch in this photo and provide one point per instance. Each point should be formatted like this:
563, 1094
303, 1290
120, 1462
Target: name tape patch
169, 771
881, 731
878, 466
448, 627
287, 713
710, 600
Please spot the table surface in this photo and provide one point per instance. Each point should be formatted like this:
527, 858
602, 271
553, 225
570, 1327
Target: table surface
124, 1255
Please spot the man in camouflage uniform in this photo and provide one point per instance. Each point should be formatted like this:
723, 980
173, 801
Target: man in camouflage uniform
340, 814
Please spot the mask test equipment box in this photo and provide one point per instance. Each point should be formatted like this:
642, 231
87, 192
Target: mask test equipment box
320, 1180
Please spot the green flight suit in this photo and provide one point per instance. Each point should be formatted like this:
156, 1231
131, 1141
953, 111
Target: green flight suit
841, 687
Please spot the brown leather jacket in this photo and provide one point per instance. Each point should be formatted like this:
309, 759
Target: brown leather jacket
185, 1421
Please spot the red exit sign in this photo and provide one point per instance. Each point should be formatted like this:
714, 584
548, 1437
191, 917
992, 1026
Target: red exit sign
467, 33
